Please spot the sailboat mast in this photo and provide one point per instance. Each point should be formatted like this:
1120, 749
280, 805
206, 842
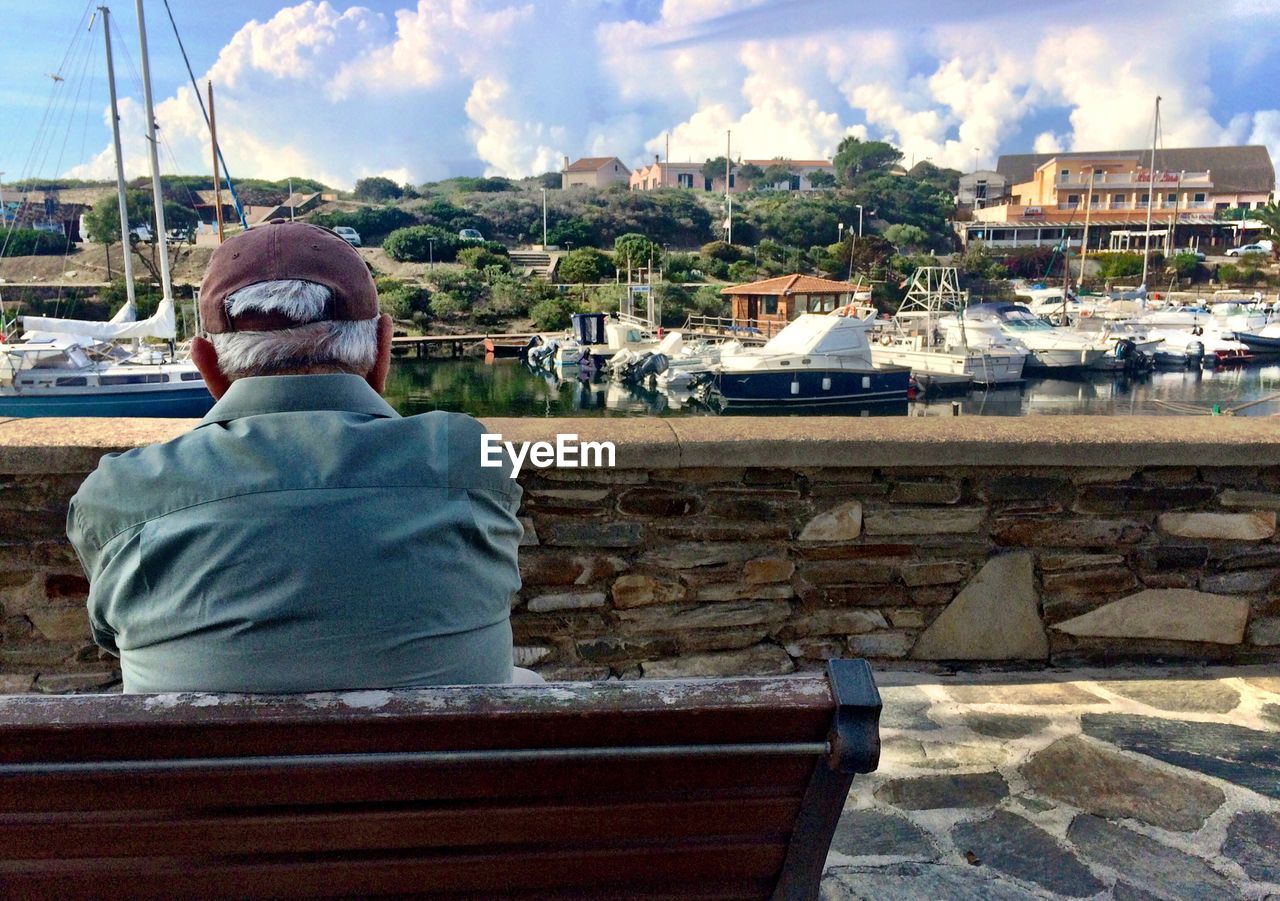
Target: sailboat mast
152, 143
115, 137
1084, 240
217, 176
1151, 195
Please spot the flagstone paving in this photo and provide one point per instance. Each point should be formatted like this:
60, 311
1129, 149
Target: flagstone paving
1125, 783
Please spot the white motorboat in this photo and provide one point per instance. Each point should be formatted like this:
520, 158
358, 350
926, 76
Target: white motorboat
912, 337
1047, 347
817, 359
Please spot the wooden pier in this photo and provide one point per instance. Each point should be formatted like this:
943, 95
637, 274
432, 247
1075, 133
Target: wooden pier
456, 345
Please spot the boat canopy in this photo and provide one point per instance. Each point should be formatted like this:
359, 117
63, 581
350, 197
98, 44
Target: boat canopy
161, 324
813, 333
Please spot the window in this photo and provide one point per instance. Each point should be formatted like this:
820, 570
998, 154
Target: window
1073, 198
1199, 197
1221, 206
191, 377
149, 379
1066, 174
731, 177
1172, 198
771, 305
1099, 172
1117, 198
77, 381
795, 182
1145, 198
706, 184
1245, 205
685, 180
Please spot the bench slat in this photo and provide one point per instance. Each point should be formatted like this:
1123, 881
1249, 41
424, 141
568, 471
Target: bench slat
179, 834
605, 872
553, 780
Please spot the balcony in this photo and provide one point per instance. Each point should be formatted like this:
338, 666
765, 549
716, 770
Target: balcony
1139, 178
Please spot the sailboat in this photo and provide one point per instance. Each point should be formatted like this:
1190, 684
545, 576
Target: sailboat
73, 367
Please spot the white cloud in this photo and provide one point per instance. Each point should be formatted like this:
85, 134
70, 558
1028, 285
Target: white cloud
510, 87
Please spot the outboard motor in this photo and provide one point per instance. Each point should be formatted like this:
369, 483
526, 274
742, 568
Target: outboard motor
1133, 359
540, 355
535, 341
652, 366
1195, 353
588, 328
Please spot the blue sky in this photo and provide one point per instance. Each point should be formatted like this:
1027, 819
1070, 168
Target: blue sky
423, 89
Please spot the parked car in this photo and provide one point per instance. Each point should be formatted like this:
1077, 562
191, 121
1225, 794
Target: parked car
470, 234
1248, 248
348, 234
182, 235
141, 233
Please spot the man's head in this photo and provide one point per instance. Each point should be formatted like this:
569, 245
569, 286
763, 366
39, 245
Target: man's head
289, 298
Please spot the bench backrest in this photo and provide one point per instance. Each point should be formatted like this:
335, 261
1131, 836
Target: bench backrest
708, 788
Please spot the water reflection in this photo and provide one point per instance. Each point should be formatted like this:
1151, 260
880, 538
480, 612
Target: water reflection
508, 388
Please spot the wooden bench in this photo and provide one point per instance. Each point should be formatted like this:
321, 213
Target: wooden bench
707, 788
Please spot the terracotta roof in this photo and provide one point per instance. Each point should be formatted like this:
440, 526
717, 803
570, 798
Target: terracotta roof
594, 164
1244, 170
793, 284
764, 164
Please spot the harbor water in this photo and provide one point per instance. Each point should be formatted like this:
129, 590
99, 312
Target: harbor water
508, 388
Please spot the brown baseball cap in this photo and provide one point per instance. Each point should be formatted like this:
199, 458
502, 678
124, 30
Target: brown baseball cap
286, 250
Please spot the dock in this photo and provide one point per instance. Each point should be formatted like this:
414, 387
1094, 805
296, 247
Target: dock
456, 345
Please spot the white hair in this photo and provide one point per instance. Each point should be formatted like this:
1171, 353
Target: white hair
314, 343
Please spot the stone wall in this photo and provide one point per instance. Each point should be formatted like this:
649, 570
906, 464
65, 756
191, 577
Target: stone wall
767, 545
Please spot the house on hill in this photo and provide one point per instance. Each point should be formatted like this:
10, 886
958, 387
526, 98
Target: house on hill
594, 172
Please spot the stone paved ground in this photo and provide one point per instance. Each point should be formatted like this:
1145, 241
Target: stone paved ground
1120, 783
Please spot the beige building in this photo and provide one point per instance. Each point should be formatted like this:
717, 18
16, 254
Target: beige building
594, 172
1051, 195
689, 175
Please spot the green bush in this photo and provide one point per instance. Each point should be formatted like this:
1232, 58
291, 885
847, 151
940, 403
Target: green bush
1184, 264
26, 242
414, 244
742, 271
482, 258
401, 300
1119, 264
584, 265
723, 251
552, 313
1229, 274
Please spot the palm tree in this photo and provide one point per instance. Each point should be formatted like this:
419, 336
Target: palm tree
1269, 215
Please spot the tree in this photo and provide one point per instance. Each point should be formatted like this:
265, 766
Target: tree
103, 221
822, 180
776, 173
750, 174
552, 313
634, 251
583, 265
421, 244
856, 159
714, 168
1269, 215
905, 236
377, 189
482, 258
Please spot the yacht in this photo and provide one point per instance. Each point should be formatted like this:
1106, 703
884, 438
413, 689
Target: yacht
817, 359
989, 324
912, 337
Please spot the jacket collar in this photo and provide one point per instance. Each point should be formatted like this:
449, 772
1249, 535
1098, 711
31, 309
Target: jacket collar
298, 393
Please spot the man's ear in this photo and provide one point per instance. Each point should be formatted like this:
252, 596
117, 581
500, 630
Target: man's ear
377, 377
206, 360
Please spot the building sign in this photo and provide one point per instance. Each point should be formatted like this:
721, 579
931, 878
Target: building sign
1032, 211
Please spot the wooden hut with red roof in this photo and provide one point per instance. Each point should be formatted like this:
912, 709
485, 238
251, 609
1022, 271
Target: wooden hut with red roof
770, 304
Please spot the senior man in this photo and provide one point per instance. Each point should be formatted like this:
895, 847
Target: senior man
303, 536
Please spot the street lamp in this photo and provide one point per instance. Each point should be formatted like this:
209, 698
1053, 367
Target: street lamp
859, 206
431, 251
544, 218
839, 232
